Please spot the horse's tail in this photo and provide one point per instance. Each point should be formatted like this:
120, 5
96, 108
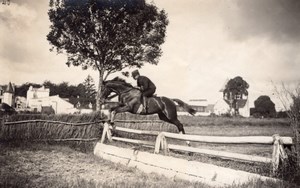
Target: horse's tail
185, 106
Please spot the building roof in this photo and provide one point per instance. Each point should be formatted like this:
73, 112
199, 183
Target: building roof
9, 88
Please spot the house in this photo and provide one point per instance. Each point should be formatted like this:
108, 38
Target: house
7, 94
39, 98
222, 106
59, 105
35, 93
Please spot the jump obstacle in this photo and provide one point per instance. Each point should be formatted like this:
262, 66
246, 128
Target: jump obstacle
189, 170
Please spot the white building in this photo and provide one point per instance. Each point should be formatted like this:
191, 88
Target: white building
37, 98
221, 107
59, 105
35, 93
7, 94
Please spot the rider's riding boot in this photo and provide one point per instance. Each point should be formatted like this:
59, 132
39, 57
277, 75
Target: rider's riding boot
144, 103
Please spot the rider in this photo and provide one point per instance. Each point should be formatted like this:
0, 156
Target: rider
146, 86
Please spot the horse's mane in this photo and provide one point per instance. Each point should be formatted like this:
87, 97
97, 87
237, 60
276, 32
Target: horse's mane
118, 79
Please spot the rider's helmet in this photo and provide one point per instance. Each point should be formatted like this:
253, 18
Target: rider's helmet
135, 73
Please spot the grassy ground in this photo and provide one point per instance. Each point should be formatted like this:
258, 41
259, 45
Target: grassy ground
46, 165
40, 165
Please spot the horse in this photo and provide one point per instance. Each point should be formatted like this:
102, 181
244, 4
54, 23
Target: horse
129, 101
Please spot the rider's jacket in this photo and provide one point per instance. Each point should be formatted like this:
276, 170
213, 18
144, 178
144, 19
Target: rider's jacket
145, 83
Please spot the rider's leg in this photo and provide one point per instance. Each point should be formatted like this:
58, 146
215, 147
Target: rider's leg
144, 102
147, 93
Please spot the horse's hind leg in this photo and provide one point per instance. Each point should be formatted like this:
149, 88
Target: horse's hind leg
176, 122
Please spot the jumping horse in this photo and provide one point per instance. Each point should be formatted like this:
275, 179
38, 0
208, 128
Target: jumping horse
129, 101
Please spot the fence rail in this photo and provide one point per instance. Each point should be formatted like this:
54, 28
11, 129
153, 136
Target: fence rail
49, 121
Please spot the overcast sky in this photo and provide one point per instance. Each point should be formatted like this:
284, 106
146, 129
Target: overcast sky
208, 42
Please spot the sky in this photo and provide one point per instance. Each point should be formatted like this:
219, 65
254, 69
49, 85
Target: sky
207, 43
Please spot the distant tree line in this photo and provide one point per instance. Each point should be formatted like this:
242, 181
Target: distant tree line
82, 94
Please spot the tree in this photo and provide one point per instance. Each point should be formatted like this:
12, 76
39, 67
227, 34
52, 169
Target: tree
107, 35
264, 106
290, 99
236, 93
88, 92
89, 86
22, 89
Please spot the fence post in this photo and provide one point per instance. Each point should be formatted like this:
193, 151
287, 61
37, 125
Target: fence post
164, 144
158, 143
106, 133
278, 153
161, 143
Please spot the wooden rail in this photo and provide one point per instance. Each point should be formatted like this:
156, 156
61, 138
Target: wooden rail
229, 140
49, 121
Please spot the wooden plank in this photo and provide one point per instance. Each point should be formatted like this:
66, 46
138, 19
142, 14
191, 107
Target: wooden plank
139, 121
141, 132
229, 140
133, 141
70, 139
221, 154
175, 168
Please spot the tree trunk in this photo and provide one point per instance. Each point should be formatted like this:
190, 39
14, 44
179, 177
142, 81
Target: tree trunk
98, 98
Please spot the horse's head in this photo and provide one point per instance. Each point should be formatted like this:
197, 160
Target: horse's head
105, 90
116, 85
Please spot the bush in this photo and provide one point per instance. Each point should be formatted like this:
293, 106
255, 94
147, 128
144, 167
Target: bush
288, 169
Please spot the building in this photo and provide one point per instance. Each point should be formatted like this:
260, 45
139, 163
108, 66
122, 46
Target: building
222, 106
59, 105
39, 98
35, 93
7, 94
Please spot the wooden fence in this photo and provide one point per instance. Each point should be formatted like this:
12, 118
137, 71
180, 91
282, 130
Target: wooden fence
161, 144
46, 130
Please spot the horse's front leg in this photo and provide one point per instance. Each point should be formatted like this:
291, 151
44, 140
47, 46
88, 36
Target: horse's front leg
116, 110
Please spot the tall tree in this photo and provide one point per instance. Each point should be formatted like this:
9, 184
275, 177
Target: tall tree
89, 86
236, 93
107, 35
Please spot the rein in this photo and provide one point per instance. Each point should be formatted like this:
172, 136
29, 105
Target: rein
119, 92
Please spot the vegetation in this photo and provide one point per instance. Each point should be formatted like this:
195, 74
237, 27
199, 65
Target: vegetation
54, 127
264, 107
105, 35
234, 92
290, 99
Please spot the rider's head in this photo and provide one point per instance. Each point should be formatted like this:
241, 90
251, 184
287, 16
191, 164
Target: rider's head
135, 74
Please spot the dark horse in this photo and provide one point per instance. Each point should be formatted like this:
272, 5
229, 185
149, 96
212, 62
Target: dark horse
129, 101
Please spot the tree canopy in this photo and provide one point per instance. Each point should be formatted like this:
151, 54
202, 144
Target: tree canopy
264, 106
107, 35
234, 92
